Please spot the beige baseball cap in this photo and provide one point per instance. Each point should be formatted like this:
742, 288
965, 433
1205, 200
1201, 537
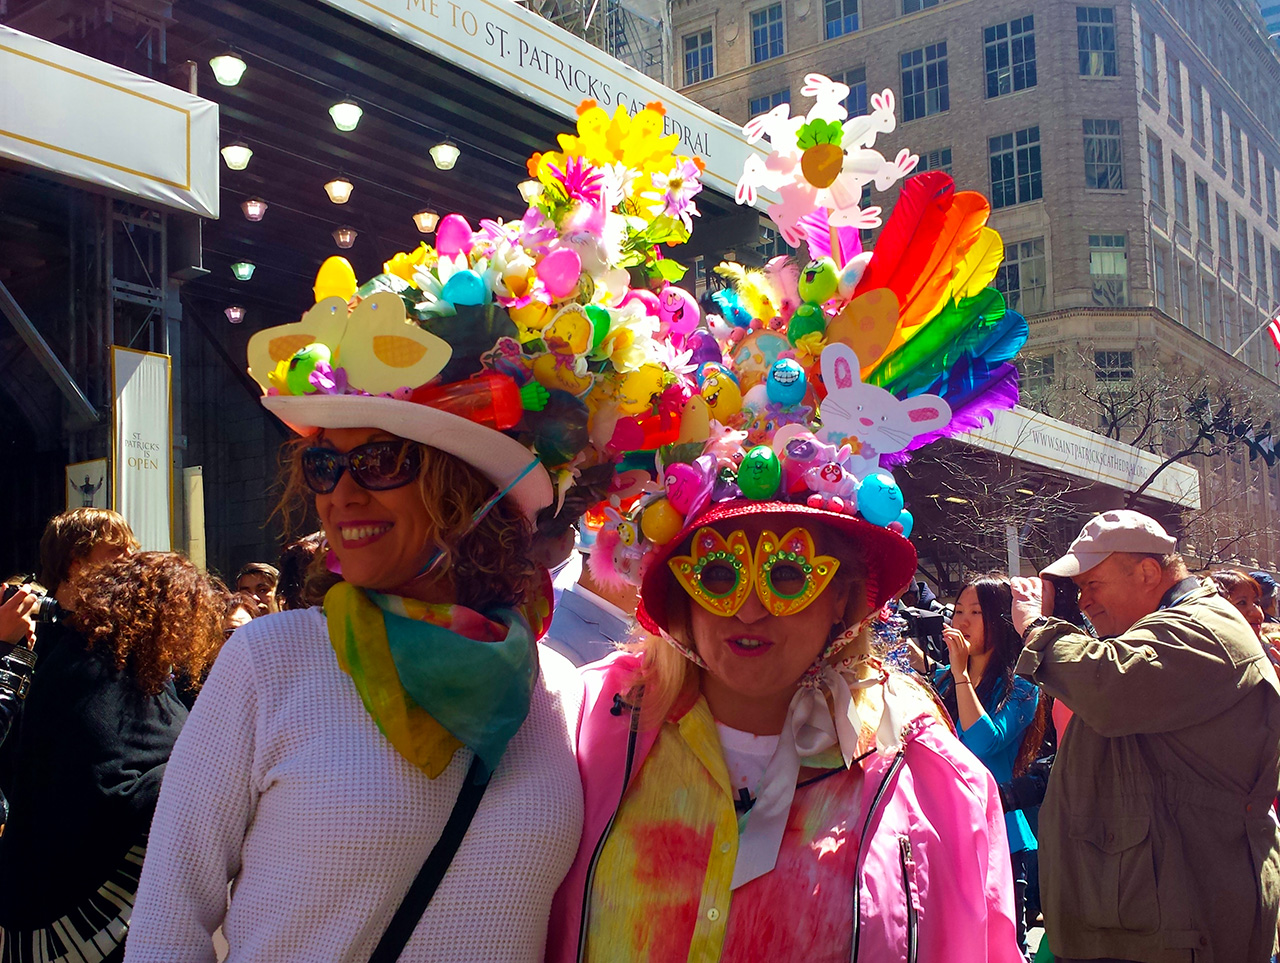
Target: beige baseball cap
1117, 531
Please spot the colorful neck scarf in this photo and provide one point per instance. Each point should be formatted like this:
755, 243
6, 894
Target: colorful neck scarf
434, 677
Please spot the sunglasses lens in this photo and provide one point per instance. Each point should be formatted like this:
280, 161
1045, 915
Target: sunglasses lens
787, 579
718, 579
384, 465
320, 470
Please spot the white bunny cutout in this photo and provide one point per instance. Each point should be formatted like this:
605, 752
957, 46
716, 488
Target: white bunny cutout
867, 418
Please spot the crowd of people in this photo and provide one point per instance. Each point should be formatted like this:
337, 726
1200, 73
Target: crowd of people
611, 643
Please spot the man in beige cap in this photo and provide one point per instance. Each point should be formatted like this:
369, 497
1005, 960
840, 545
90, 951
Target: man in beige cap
1156, 837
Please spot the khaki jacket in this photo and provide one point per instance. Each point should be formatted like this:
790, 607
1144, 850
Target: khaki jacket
1156, 837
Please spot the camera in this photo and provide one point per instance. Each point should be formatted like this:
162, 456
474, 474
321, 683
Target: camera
47, 608
925, 626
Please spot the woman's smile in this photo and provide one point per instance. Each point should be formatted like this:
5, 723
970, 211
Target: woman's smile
748, 646
358, 534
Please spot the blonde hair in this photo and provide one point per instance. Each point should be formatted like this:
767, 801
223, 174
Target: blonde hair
74, 535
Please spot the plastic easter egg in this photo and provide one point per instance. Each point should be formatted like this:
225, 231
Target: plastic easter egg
880, 498
852, 273
755, 355
454, 236
704, 348
807, 320
786, 383
336, 278
819, 280
600, 323
661, 522
298, 376
645, 297
559, 272
682, 483
720, 392
760, 473
907, 521
465, 287
678, 310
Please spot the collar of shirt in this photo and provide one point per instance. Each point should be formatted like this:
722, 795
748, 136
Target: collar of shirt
1180, 591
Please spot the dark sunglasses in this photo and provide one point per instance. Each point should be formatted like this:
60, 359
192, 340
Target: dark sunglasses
378, 466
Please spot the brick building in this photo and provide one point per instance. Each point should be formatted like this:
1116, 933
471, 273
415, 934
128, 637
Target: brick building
1130, 153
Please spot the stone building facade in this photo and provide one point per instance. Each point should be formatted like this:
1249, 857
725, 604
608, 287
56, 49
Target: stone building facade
1130, 152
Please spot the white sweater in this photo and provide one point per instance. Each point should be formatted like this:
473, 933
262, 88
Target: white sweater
282, 785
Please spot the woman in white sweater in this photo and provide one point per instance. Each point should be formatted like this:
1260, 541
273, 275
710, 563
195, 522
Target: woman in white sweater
325, 754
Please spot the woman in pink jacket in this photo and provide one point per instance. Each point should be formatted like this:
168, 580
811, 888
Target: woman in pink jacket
757, 786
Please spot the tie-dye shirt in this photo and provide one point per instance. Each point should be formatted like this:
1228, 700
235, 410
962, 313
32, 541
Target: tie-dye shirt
661, 886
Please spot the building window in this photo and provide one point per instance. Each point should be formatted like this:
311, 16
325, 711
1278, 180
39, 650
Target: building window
766, 33
1271, 193
1197, 114
1035, 372
1021, 278
698, 63
1173, 77
1159, 263
1109, 269
1237, 160
856, 80
1219, 138
842, 17
1155, 167
1224, 230
1150, 80
1096, 41
1181, 214
1011, 56
1255, 176
1242, 245
1015, 167
935, 160
915, 6
1202, 211
1259, 270
1184, 291
1207, 293
924, 82
772, 244
1103, 170
762, 105
1113, 365
1275, 272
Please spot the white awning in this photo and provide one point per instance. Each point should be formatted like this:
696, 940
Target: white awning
1040, 440
92, 121
520, 51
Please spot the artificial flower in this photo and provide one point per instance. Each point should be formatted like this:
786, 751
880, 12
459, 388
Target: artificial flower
629, 343
672, 192
406, 263
329, 380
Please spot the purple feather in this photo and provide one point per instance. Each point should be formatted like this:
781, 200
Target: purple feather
817, 234
977, 408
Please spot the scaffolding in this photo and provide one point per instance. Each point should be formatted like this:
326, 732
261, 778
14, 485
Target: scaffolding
619, 30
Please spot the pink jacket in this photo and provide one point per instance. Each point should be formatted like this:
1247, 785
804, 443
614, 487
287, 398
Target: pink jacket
936, 828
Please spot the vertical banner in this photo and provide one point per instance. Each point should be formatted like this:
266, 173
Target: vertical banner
142, 445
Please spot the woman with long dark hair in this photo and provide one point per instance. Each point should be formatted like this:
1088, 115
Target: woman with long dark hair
998, 715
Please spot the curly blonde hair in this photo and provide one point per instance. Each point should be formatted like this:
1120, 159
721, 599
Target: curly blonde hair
156, 614
490, 565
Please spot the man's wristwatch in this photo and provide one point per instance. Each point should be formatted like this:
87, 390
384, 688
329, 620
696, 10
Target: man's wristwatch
1035, 623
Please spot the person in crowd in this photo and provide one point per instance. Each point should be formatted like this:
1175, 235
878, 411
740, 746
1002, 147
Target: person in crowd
241, 608
749, 760
1268, 601
1166, 773
295, 560
592, 620
1242, 591
258, 580
83, 765
998, 716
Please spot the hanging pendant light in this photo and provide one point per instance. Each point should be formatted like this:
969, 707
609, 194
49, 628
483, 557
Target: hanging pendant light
339, 189
228, 68
426, 221
254, 208
235, 314
237, 155
445, 154
344, 237
346, 115
243, 270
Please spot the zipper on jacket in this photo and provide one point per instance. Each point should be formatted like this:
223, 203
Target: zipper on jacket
908, 865
862, 846
595, 854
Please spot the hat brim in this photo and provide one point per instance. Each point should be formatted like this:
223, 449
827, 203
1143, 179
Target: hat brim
498, 457
890, 556
1074, 563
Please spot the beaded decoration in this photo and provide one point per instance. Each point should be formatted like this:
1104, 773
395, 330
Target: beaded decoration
789, 575
719, 574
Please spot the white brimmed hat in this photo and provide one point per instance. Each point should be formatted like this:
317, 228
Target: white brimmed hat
1117, 531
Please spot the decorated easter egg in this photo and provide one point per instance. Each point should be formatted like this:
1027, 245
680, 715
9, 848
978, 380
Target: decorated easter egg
454, 236
304, 361
336, 278
660, 522
645, 297
819, 280
600, 323
678, 310
704, 348
559, 272
808, 319
880, 498
786, 383
682, 482
720, 392
465, 287
760, 473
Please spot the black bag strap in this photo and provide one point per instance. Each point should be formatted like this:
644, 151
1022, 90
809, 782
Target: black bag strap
424, 885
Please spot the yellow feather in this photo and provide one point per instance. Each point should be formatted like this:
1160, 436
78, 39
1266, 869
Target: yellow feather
979, 266
756, 291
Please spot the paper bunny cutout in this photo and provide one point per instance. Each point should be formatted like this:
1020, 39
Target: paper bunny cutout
867, 418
